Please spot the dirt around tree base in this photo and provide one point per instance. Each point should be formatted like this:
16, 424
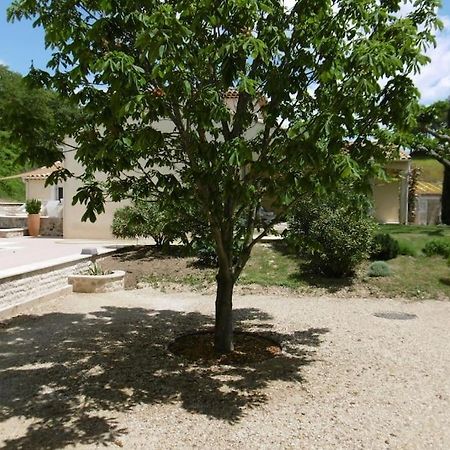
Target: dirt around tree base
248, 348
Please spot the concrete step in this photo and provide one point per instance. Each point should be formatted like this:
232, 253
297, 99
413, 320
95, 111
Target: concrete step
12, 232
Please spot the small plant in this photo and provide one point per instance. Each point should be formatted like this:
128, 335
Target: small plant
406, 248
379, 269
96, 269
33, 206
385, 247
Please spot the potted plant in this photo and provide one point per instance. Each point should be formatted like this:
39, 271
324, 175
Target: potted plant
33, 208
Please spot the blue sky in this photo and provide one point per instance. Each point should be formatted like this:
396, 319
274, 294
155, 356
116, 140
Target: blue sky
20, 43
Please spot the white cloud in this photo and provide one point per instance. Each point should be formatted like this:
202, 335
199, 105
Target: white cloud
434, 79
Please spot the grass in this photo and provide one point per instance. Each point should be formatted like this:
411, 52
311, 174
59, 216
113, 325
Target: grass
270, 265
416, 236
194, 280
413, 276
431, 170
418, 277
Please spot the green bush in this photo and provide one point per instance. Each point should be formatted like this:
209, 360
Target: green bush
440, 247
147, 219
33, 206
406, 248
384, 247
334, 235
205, 252
379, 269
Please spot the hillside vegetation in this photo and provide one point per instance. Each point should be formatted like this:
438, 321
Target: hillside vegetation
431, 170
10, 190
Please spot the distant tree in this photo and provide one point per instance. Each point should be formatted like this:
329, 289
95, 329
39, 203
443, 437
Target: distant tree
33, 120
433, 139
319, 86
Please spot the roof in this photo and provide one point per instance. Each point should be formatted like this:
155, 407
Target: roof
396, 154
424, 188
231, 93
42, 173
403, 156
38, 174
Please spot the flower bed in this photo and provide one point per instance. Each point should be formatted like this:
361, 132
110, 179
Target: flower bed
98, 283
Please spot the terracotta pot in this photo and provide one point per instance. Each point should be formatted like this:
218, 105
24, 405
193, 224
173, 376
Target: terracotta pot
34, 223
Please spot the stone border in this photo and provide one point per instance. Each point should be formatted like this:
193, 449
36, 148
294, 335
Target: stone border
98, 283
27, 305
37, 283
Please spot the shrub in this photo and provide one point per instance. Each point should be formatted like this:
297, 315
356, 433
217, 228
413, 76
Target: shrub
33, 206
146, 219
439, 247
406, 248
334, 235
384, 247
379, 269
205, 252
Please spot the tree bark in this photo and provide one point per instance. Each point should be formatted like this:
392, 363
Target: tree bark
445, 199
223, 338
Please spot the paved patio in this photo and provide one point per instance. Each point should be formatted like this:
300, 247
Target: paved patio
18, 255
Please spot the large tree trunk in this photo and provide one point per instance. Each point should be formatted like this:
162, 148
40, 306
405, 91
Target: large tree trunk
445, 199
223, 339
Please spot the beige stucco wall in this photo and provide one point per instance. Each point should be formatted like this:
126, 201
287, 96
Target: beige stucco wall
390, 198
37, 189
74, 228
386, 197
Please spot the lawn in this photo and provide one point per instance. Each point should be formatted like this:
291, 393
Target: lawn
418, 277
272, 266
417, 235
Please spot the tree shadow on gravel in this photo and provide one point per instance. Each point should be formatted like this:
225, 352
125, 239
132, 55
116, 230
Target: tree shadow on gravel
69, 373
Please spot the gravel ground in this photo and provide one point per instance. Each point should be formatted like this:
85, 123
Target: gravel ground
90, 371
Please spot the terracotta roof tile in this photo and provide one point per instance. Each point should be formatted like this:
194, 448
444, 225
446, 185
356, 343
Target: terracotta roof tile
424, 188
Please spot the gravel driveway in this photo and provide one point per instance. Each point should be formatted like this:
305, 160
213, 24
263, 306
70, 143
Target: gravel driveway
93, 370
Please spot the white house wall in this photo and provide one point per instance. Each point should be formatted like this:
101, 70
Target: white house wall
74, 228
36, 189
391, 198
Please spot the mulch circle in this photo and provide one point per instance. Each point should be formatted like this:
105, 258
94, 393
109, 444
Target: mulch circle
248, 348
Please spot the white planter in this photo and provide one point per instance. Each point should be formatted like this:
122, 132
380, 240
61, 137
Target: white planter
114, 281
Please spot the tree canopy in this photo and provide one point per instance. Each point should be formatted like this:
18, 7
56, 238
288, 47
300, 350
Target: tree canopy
431, 136
34, 120
318, 87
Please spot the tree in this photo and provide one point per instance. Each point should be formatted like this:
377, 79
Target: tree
433, 138
33, 119
317, 87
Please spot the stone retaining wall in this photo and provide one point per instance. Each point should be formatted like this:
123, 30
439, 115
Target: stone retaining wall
25, 287
13, 222
50, 226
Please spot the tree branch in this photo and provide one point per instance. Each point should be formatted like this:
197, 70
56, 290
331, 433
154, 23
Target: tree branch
440, 136
435, 155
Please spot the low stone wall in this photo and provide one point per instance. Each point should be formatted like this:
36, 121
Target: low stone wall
18, 289
50, 226
13, 222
